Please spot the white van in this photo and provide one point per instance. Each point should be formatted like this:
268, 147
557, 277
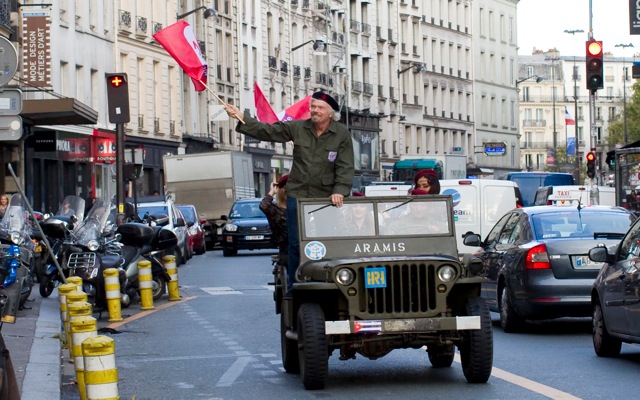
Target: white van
549, 194
478, 204
386, 188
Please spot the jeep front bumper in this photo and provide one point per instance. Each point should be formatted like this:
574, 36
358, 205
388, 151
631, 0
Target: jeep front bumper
412, 325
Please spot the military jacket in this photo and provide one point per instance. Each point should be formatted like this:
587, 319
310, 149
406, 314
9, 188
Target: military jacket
322, 165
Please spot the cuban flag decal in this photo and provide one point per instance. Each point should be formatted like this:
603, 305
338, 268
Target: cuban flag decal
367, 326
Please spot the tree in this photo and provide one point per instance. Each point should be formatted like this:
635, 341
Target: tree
616, 128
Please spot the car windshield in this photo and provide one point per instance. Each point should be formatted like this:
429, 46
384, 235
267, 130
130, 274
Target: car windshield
158, 211
583, 223
188, 213
413, 216
246, 210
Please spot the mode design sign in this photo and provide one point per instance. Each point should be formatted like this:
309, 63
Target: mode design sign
36, 48
634, 17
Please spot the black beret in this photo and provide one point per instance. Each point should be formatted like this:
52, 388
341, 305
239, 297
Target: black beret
327, 99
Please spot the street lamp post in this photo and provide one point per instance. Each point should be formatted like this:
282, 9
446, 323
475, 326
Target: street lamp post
575, 102
553, 98
624, 91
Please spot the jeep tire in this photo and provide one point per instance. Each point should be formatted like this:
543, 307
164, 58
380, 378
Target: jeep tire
441, 356
289, 348
476, 347
312, 346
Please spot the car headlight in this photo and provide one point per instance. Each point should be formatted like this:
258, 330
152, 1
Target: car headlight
446, 273
345, 276
17, 238
231, 228
93, 245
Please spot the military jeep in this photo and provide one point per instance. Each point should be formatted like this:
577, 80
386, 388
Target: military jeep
390, 280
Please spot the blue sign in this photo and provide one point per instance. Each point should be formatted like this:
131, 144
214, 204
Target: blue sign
375, 277
495, 148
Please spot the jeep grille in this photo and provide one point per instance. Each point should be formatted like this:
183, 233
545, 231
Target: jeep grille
410, 290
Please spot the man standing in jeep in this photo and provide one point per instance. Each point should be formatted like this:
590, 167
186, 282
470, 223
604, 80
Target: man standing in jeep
323, 161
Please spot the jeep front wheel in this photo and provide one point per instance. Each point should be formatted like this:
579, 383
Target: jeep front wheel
312, 346
476, 348
289, 349
441, 356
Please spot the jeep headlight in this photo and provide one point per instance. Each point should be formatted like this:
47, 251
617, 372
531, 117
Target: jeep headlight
231, 228
446, 273
93, 245
345, 276
16, 238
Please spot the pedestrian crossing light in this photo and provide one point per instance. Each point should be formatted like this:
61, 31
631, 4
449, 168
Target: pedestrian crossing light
594, 61
591, 164
118, 97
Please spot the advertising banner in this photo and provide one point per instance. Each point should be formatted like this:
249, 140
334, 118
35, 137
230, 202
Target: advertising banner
36, 48
634, 17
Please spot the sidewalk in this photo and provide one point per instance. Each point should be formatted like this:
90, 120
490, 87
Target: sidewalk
34, 344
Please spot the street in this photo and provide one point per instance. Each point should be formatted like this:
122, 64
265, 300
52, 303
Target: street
222, 341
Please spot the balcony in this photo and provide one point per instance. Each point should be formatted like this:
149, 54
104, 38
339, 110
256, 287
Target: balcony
284, 67
172, 127
140, 121
366, 29
354, 25
321, 78
273, 63
157, 27
534, 145
368, 88
296, 71
356, 86
124, 21
156, 125
381, 94
534, 122
141, 26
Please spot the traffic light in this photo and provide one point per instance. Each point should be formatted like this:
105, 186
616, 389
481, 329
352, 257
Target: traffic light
595, 79
118, 97
591, 164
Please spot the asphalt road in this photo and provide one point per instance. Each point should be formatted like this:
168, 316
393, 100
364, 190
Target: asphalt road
222, 341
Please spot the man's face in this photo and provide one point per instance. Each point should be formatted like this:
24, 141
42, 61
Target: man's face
320, 111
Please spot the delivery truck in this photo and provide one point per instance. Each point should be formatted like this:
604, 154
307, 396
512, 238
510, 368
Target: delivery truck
211, 182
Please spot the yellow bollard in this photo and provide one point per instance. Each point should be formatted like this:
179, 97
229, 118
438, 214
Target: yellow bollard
112, 289
170, 264
75, 310
81, 328
73, 297
145, 284
100, 372
63, 290
76, 280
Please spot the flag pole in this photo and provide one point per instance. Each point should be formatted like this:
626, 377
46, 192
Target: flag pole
219, 99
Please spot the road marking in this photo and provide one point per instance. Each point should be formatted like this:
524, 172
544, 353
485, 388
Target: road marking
230, 376
218, 291
528, 384
142, 314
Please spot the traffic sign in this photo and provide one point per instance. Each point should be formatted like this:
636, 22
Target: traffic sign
8, 61
10, 127
10, 101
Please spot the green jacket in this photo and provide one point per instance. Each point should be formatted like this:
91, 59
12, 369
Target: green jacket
321, 165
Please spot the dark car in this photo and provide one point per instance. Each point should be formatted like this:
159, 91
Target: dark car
195, 227
536, 263
247, 228
616, 295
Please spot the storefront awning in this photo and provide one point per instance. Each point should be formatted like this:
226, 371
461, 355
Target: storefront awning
57, 112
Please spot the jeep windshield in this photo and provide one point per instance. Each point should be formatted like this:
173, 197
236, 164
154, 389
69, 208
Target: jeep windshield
407, 216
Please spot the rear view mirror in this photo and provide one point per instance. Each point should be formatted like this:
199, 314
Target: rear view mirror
599, 254
472, 239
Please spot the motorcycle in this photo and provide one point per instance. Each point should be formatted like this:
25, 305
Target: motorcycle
59, 231
141, 242
17, 247
93, 248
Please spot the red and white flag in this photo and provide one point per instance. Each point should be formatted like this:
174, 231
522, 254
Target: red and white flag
180, 42
264, 111
299, 110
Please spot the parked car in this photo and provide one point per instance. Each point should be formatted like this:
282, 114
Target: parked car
536, 264
162, 211
247, 228
195, 227
616, 295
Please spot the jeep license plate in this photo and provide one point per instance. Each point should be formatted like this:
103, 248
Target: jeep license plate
375, 277
255, 237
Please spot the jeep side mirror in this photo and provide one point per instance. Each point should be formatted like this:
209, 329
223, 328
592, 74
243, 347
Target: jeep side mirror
180, 222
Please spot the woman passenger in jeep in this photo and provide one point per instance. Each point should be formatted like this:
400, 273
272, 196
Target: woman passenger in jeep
427, 180
276, 212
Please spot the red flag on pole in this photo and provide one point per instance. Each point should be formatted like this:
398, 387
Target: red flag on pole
264, 111
180, 42
299, 110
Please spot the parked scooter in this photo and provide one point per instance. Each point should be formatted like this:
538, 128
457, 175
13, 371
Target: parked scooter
17, 246
94, 247
59, 231
140, 242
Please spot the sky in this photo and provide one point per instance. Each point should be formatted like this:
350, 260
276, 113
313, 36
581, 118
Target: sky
541, 24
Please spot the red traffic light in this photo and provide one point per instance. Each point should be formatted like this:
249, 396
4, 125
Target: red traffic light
116, 80
594, 48
591, 157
